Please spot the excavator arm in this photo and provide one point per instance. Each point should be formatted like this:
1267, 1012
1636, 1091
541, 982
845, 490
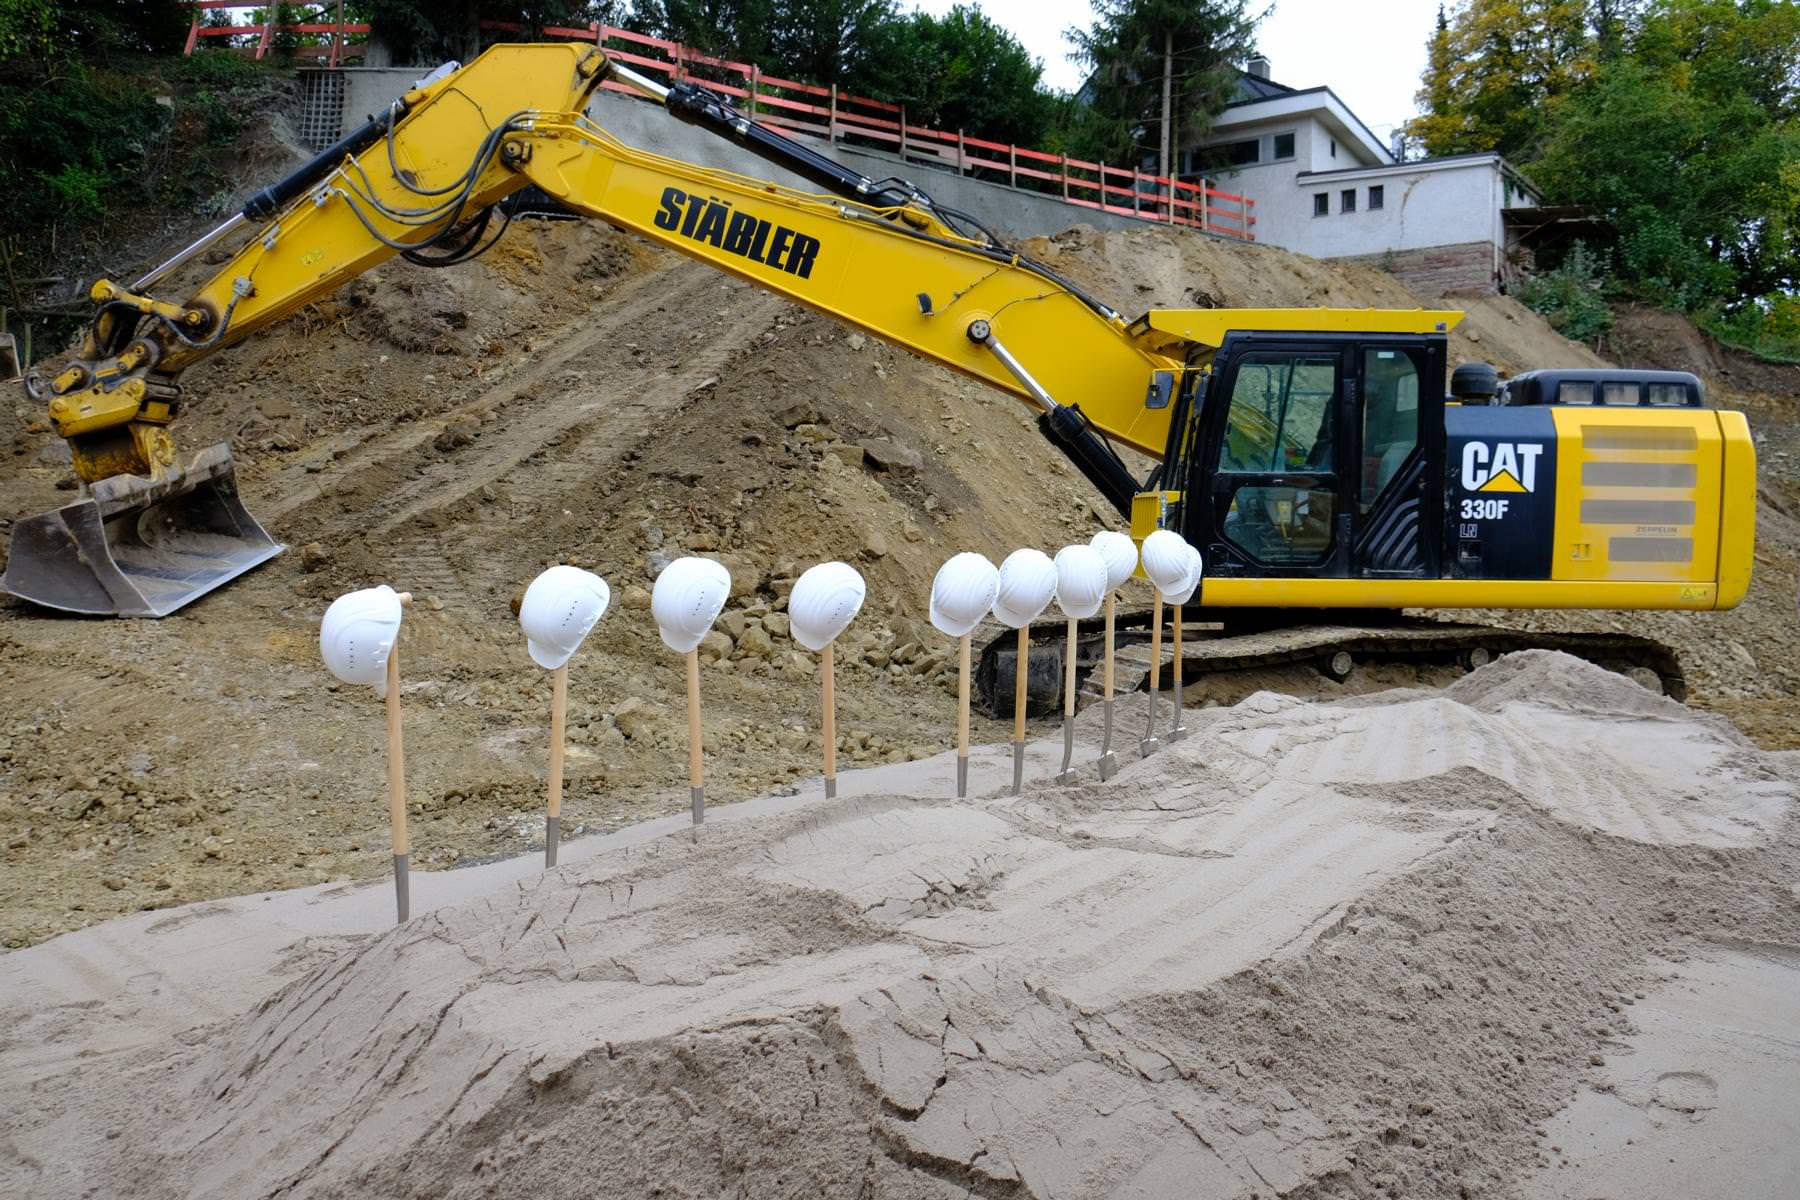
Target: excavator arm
156, 528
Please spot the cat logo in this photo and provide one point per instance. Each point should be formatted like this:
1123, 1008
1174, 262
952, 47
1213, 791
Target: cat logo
1502, 467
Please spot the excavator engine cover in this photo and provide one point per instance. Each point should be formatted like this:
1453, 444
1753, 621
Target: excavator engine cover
137, 547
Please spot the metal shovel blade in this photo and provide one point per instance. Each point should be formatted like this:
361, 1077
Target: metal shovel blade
138, 547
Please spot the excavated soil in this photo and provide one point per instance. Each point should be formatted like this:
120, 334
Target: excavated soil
579, 396
1356, 948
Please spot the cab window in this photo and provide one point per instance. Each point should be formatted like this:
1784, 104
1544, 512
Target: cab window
1280, 418
1390, 418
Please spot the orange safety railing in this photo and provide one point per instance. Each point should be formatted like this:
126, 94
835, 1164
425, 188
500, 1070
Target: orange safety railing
838, 116
337, 50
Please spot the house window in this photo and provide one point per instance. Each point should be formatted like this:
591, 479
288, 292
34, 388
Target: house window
1244, 154
1334, 147
1321, 204
1284, 146
1347, 200
1375, 198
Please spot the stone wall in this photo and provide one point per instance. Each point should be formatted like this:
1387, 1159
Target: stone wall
1437, 270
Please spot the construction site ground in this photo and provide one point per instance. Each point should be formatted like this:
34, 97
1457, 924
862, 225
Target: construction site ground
579, 396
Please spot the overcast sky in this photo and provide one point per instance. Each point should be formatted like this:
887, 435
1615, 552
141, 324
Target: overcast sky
1369, 52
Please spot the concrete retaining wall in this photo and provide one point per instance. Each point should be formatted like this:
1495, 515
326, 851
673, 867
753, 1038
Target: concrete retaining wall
1010, 211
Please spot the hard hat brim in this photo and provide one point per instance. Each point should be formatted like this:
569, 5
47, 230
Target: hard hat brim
546, 657
955, 629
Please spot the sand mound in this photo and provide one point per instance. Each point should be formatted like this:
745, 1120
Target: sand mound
1335, 947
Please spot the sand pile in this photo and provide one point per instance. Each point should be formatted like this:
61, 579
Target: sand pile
1328, 949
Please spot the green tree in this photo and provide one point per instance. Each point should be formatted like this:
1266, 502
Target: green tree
828, 41
1152, 55
958, 71
1495, 70
735, 29
815, 41
424, 33
1704, 190
93, 29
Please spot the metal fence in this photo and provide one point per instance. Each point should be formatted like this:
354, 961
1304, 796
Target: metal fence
825, 112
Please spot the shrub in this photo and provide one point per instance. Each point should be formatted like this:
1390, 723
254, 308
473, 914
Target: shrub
1768, 327
1572, 296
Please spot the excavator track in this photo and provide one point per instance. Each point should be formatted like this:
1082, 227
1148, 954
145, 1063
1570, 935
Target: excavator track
1215, 648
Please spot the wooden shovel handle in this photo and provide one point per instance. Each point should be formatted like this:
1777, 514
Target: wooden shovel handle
1019, 676
962, 697
1109, 645
1155, 644
828, 722
396, 756
1069, 673
696, 768
559, 717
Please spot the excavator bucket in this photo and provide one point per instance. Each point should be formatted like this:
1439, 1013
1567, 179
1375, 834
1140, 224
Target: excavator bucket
137, 547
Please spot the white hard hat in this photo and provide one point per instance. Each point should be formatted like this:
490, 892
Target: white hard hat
1166, 561
559, 609
1080, 580
825, 599
962, 593
1120, 553
1191, 584
1027, 581
358, 634
688, 597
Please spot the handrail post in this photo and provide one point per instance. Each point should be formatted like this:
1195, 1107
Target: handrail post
193, 34
755, 80
903, 133
1065, 176
1206, 188
1172, 193
831, 133
1012, 164
962, 152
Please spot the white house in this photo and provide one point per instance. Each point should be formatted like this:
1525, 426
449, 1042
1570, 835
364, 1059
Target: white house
1325, 185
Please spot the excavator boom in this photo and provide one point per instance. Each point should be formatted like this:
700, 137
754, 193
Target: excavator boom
155, 529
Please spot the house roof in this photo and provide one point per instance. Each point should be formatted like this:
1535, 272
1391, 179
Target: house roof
1251, 88
1435, 163
1284, 101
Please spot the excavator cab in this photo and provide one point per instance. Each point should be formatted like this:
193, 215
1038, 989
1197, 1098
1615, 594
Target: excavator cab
1330, 468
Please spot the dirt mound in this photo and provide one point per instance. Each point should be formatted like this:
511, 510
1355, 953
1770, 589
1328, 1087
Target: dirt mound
1084, 991
1150, 268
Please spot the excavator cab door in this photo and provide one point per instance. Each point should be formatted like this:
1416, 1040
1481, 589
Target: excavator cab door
1313, 457
1396, 491
1266, 473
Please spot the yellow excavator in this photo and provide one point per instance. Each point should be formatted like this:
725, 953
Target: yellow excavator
1315, 456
